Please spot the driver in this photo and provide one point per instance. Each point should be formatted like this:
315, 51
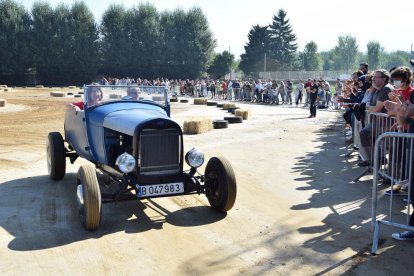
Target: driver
132, 94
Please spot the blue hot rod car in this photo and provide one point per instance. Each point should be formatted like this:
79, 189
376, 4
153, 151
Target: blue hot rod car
127, 133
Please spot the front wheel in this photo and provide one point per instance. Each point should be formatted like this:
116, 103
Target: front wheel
89, 197
55, 154
221, 188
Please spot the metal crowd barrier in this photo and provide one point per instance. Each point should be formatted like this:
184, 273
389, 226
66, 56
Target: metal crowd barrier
393, 160
379, 123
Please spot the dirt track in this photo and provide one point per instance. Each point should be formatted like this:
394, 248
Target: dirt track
296, 212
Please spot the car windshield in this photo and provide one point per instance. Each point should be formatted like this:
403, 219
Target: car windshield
97, 94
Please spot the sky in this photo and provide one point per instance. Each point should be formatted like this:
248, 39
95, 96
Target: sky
321, 21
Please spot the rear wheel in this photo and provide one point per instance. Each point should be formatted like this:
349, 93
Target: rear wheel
221, 188
89, 197
55, 154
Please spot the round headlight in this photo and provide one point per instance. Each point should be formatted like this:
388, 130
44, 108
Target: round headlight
194, 158
125, 162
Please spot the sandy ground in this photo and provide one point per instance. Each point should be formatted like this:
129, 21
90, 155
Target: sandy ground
296, 213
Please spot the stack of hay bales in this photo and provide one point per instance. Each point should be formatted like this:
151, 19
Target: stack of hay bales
2, 103
197, 125
57, 94
244, 113
228, 106
200, 101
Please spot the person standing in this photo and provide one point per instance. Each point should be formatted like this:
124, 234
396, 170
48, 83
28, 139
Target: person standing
282, 91
308, 86
338, 91
289, 89
299, 92
313, 95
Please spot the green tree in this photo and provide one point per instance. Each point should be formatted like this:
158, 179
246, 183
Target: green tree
282, 42
15, 52
310, 57
46, 50
200, 45
397, 58
373, 54
173, 40
346, 53
83, 56
142, 53
114, 42
222, 64
257, 46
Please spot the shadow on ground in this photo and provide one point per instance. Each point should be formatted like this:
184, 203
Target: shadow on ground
348, 225
41, 214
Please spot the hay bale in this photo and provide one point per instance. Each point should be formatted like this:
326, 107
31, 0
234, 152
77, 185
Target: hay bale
39, 86
200, 101
57, 94
244, 113
157, 98
197, 125
2, 103
228, 106
114, 96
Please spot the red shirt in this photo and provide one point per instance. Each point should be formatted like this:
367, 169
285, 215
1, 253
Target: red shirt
406, 93
81, 105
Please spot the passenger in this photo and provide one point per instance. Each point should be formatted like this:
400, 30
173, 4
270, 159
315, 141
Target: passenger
94, 95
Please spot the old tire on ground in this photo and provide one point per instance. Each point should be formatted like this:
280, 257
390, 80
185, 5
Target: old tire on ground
219, 105
88, 197
231, 110
173, 100
217, 124
221, 188
211, 103
234, 120
55, 156
184, 101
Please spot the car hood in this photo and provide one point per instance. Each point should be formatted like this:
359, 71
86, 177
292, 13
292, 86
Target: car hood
125, 121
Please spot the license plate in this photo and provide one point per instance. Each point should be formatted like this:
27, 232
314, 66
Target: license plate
160, 189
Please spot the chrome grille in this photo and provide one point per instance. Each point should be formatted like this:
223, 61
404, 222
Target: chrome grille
159, 151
